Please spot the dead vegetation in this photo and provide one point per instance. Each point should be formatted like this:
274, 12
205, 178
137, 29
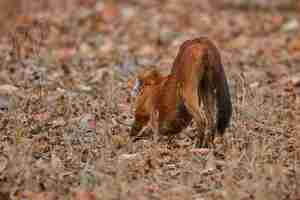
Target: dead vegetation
64, 71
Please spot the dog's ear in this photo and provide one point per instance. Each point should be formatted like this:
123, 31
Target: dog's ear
136, 87
152, 77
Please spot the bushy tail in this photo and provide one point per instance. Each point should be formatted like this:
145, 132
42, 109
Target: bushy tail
216, 74
224, 105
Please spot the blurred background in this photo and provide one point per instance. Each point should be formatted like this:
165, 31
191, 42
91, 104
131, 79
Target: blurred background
111, 25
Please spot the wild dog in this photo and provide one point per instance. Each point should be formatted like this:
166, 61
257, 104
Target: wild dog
196, 85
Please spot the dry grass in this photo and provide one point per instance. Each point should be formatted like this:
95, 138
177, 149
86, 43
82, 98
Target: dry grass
63, 86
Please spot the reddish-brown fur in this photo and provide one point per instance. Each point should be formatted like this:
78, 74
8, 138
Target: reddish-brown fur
197, 79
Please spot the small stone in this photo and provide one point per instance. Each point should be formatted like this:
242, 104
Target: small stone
84, 88
128, 156
254, 85
4, 103
296, 81
291, 25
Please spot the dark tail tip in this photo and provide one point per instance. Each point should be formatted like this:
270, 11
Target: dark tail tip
224, 106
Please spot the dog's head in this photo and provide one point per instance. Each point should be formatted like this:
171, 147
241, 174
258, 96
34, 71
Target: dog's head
145, 78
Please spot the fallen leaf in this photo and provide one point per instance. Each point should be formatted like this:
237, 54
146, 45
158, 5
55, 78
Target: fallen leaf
109, 12
87, 3
40, 144
277, 20
84, 195
147, 50
88, 121
294, 45
124, 107
26, 195
201, 151
152, 188
41, 117
64, 54
86, 50
119, 141
238, 43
